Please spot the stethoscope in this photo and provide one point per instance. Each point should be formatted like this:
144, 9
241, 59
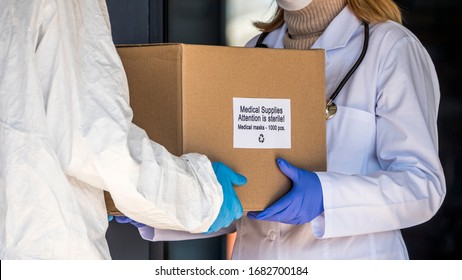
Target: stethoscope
331, 108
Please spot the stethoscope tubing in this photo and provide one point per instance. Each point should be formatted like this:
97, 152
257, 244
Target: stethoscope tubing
330, 103
354, 67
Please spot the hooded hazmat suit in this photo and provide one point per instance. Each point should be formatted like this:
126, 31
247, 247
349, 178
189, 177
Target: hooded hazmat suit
66, 135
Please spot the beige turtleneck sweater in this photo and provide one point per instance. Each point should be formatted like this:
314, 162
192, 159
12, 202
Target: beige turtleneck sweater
306, 25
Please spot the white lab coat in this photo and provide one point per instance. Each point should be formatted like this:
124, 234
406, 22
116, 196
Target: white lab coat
66, 135
383, 171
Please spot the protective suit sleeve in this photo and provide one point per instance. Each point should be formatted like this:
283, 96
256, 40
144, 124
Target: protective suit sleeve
106, 150
410, 187
81, 101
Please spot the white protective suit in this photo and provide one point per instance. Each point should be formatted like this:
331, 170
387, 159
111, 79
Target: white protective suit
66, 135
383, 171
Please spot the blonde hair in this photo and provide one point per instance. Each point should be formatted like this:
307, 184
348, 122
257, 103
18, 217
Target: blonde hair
371, 11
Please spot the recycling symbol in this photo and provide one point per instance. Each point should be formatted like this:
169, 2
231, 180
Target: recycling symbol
261, 139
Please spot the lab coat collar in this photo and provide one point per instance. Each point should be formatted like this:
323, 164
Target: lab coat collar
339, 31
337, 34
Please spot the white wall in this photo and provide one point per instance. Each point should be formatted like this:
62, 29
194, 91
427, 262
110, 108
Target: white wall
240, 14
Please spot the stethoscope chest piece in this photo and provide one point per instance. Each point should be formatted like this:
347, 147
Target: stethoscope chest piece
331, 110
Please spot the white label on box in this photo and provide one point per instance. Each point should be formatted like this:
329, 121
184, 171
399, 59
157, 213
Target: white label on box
262, 123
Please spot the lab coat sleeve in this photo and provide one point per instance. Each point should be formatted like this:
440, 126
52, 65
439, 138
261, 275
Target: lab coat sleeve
89, 126
410, 187
154, 234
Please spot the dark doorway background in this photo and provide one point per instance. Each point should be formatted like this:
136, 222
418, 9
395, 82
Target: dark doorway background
437, 23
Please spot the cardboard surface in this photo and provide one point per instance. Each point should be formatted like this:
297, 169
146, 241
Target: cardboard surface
182, 95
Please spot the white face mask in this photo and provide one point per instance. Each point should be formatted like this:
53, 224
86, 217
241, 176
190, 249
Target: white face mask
293, 5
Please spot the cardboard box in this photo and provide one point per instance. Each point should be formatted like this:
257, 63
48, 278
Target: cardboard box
232, 104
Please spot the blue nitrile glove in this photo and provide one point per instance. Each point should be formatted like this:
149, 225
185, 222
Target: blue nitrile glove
301, 204
110, 218
126, 220
231, 209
